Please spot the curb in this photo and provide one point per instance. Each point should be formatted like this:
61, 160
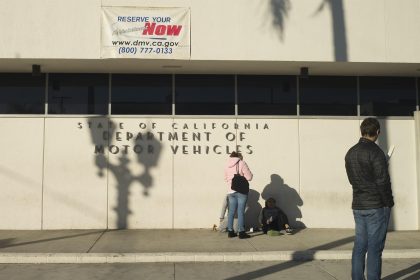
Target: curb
179, 257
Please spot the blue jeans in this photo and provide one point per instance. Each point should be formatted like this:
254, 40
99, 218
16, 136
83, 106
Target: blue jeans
371, 229
237, 203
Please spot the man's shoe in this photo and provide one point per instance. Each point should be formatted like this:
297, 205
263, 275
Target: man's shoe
231, 234
243, 235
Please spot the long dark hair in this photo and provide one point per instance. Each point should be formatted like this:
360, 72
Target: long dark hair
236, 154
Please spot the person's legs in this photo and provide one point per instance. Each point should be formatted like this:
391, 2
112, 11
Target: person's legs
224, 207
233, 204
241, 210
282, 220
265, 228
360, 246
377, 225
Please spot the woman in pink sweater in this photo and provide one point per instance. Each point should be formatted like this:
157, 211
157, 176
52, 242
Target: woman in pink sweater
237, 201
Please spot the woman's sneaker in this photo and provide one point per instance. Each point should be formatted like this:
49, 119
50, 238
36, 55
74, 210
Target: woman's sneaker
243, 235
231, 234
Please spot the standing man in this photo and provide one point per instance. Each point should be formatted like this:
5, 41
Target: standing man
367, 171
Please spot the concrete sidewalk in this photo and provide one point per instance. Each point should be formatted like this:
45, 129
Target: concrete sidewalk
192, 245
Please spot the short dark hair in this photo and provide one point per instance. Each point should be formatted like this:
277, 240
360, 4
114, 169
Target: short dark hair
370, 127
272, 200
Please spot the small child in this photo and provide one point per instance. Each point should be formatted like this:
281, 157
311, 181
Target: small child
272, 218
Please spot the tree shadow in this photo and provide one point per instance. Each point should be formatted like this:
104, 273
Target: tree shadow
287, 199
339, 27
252, 210
147, 150
280, 10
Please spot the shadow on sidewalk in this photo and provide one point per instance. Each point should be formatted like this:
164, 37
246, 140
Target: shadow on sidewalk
297, 256
7, 243
405, 272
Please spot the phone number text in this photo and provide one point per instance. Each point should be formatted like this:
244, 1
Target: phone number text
135, 50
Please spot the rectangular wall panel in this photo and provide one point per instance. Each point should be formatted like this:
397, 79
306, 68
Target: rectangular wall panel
75, 180
402, 169
325, 190
21, 172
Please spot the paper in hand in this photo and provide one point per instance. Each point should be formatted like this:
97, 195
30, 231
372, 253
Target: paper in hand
390, 152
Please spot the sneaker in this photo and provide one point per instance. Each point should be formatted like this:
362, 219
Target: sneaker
231, 234
243, 235
289, 231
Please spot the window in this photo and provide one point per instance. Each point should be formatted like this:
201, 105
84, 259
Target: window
267, 95
78, 94
204, 95
22, 94
418, 92
387, 96
328, 96
141, 94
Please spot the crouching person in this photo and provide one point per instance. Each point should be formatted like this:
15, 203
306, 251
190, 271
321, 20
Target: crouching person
273, 219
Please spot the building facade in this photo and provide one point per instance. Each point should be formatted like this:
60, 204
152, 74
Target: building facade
100, 133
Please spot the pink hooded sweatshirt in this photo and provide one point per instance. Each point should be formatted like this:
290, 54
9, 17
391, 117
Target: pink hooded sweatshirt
230, 170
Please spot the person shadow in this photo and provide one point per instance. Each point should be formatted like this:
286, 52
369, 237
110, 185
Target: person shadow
287, 199
252, 210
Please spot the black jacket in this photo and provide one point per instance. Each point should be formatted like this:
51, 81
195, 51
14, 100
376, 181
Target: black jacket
367, 171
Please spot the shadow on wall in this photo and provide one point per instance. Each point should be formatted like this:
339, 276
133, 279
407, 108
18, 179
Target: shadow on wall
280, 10
339, 27
252, 210
147, 150
287, 198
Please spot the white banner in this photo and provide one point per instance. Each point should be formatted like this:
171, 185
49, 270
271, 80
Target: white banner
134, 32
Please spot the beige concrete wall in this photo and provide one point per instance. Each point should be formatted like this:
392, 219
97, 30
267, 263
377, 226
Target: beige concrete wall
75, 191
417, 133
325, 190
21, 153
306, 30
400, 133
58, 181
50, 29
